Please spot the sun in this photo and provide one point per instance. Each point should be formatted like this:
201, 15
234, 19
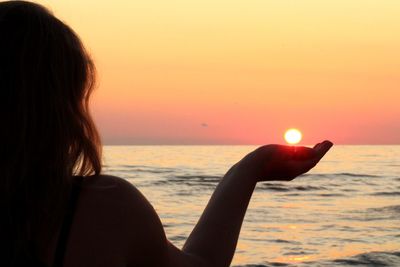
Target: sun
293, 136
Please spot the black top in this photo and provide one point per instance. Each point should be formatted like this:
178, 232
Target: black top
66, 225
29, 261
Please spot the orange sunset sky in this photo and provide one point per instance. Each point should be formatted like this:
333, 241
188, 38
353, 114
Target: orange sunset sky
241, 72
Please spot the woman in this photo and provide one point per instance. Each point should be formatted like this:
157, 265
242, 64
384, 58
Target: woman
58, 209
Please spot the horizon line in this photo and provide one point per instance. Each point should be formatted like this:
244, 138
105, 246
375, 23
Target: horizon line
177, 144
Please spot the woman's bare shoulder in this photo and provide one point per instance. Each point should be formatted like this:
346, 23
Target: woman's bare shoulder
105, 181
112, 211
116, 196
109, 190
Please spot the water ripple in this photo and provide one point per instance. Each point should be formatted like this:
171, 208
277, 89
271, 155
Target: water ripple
288, 187
371, 259
341, 174
394, 193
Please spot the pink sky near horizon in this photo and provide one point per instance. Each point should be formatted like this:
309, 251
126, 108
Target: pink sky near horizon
242, 72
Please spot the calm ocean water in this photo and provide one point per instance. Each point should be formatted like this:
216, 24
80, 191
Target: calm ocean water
345, 212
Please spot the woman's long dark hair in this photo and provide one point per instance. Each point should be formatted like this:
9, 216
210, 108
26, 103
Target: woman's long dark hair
47, 134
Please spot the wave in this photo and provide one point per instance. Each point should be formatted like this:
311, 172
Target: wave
331, 195
388, 194
271, 264
349, 174
190, 180
139, 168
287, 187
158, 170
177, 238
214, 178
374, 214
386, 209
370, 259
342, 174
284, 241
324, 195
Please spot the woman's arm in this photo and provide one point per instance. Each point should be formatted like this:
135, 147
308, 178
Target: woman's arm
215, 236
213, 241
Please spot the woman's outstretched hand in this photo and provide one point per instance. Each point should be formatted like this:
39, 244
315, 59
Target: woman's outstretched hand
280, 162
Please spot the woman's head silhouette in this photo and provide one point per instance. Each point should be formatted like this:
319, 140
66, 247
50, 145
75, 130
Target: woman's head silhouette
47, 136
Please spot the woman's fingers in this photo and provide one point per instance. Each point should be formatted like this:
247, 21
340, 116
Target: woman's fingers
323, 148
315, 153
316, 146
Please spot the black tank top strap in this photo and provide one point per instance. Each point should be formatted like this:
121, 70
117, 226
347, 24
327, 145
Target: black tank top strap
67, 222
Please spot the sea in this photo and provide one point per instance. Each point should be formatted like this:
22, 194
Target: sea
344, 212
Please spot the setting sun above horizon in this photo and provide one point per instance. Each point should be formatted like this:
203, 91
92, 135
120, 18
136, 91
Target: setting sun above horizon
293, 136
166, 67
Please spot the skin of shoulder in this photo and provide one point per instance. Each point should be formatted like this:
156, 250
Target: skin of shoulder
117, 225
